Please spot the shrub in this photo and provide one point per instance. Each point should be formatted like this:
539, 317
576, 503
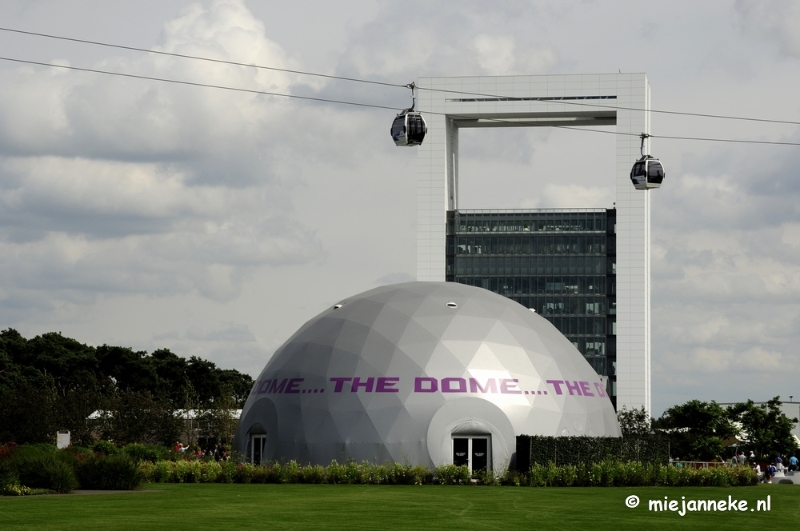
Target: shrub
115, 472
633, 474
105, 448
7, 449
144, 452
314, 474
76, 454
451, 474
40, 468
8, 475
186, 471
243, 473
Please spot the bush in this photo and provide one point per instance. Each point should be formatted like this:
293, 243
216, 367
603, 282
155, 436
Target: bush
115, 472
607, 473
48, 473
41, 468
146, 452
76, 454
8, 475
7, 449
105, 448
633, 474
451, 475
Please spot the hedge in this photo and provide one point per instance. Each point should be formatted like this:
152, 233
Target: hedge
348, 473
632, 474
535, 449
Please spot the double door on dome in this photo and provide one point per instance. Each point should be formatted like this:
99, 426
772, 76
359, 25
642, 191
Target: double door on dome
255, 449
472, 451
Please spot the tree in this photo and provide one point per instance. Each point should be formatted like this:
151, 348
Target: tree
29, 413
73, 412
764, 427
697, 429
634, 422
240, 384
219, 419
52, 382
137, 417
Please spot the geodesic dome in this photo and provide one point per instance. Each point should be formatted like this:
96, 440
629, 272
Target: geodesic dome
409, 372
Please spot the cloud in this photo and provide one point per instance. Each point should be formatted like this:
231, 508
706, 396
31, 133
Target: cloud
571, 196
498, 55
230, 332
216, 135
113, 185
406, 41
776, 20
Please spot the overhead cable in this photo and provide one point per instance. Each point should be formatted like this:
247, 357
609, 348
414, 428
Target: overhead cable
668, 137
358, 104
373, 82
194, 84
198, 58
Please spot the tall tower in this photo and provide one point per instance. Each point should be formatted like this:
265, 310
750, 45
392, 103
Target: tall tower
545, 101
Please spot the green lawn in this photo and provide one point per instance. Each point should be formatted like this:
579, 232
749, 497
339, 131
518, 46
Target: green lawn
179, 507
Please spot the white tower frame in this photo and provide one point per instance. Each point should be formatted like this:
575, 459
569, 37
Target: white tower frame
536, 101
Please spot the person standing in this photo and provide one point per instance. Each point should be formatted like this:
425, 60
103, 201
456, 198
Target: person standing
793, 463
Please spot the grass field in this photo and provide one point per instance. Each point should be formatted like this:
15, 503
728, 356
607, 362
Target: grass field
179, 507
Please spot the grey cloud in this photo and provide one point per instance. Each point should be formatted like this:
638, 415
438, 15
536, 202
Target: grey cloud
231, 332
776, 20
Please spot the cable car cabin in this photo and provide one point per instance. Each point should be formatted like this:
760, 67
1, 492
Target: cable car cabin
408, 129
647, 173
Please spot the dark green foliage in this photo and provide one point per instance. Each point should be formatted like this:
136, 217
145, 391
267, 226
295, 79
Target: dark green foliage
8, 474
138, 417
611, 473
606, 473
29, 412
587, 450
40, 468
697, 430
114, 472
765, 429
701, 430
145, 452
634, 422
104, 448
52, 383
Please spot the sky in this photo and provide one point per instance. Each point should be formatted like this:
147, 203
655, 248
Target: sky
215, 223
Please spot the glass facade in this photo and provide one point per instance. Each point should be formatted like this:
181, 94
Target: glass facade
560, 263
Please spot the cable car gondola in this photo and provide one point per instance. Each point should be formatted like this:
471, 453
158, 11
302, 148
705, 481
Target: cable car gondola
647, 172
408, 128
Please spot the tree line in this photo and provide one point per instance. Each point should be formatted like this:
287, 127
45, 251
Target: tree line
51, 382
707, 431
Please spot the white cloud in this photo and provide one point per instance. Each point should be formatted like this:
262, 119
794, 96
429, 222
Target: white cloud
571, 196
498, 56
